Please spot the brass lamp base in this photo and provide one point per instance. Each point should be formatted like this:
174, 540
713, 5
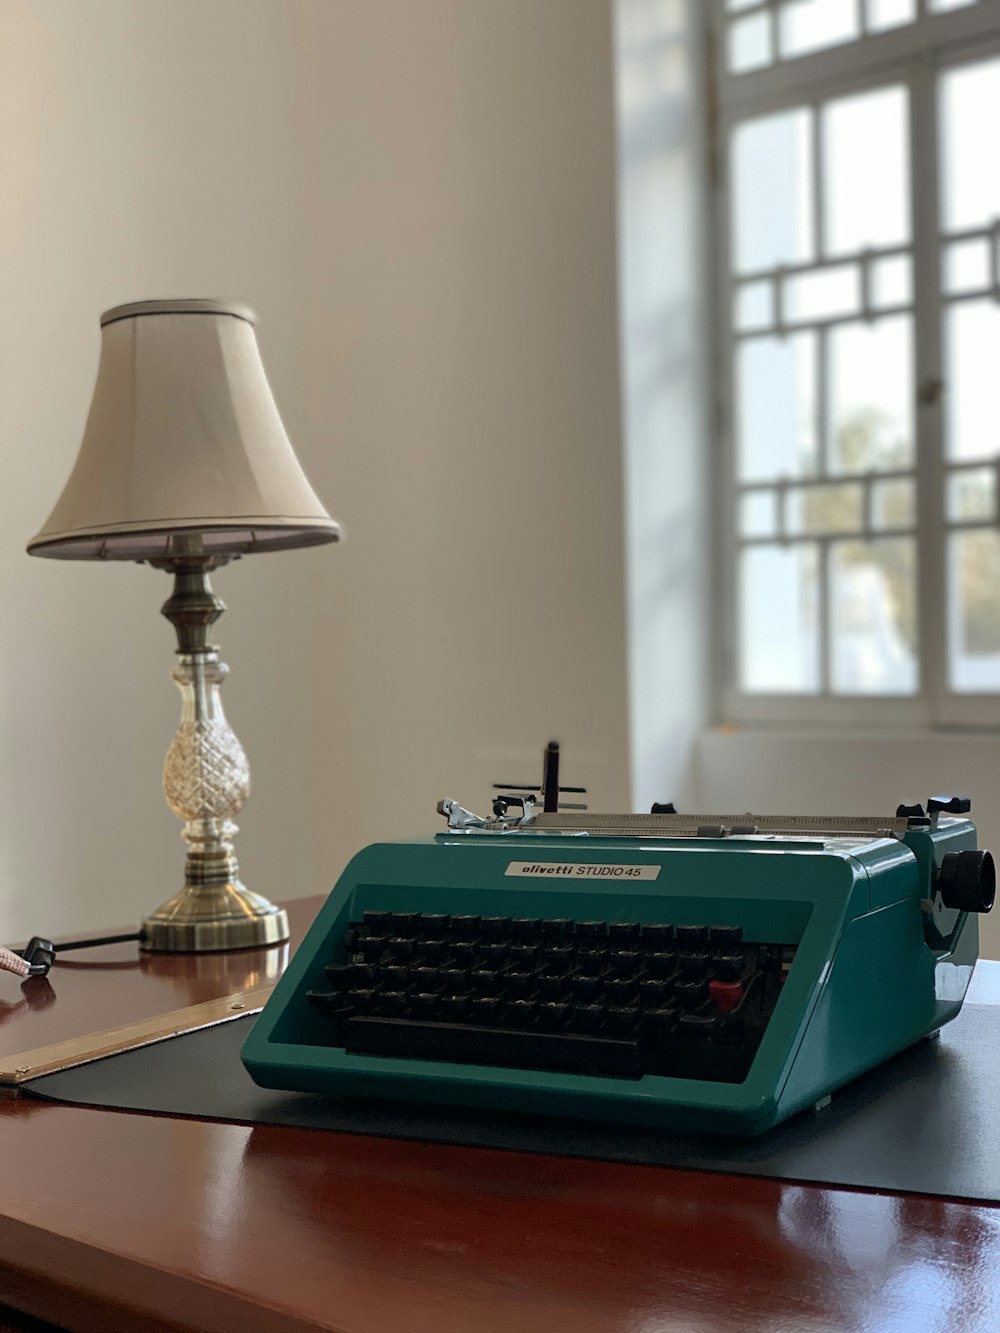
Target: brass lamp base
202, 919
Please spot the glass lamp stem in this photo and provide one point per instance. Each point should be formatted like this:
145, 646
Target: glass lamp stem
206, 781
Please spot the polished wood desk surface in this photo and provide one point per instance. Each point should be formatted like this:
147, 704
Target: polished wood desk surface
112, 1221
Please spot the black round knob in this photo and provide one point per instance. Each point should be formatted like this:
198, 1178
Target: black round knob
967, 880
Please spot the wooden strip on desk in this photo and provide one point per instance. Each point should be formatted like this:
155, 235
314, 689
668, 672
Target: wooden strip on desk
58, 1055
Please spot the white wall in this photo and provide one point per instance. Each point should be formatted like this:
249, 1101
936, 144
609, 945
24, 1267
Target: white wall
419, 201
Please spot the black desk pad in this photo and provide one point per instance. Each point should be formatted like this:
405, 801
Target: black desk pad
926, 1122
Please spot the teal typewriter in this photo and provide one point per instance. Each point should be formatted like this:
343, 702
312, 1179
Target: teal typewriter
700, 972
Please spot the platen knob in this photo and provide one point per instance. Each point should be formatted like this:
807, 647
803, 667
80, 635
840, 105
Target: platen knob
967, 881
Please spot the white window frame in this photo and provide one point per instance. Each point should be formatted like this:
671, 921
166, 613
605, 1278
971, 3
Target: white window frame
913, 56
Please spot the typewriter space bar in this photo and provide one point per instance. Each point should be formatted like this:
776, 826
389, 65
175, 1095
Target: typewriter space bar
464, 1043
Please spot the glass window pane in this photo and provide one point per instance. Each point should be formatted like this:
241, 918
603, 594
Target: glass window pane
871, 395
890, 13
892, 281
866, 170
749, 43
972, 495
772, 191
970, 109
754, 305
972, 395
809, 25
758, 514
823, 294
894, 503
814, 511
966, 266
776, 407
974, 611
779, 638
873, 617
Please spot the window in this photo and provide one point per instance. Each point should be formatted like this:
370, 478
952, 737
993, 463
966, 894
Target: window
858, 189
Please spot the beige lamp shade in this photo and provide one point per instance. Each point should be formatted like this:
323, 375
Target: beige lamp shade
183, 437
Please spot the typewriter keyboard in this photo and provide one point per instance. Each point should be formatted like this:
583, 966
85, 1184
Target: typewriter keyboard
612, 998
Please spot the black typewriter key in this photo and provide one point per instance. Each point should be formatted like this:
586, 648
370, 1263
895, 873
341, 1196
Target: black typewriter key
391, 1003
625, 962
492, 955
553, 1015
657, 936
691, 994
558, 928
495, 927
404, 923
371, 947
662, 965
452, 1008
336, 1010
589, 931
327, 1002
424, 978
363, 974
524, 956
401, 947
521, 984
662, 1019
377, 923
351, 935
691, 937
463, 953
726, 938
434, 925
454, 979
396, 976
486, 980
621, 990
653, 994
432, 951
339, 975
588, 1017
622, 933
552, 984
526, 928
586, 989
520, 1013
486, 1009
621, 1021
559, 954
464, 927
728, 967
423, 1005
362, 999
693, 966
591, 962
697, 1026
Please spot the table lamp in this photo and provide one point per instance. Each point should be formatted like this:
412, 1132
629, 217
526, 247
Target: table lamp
184, 466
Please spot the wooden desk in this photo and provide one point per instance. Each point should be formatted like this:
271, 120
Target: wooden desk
117, 1222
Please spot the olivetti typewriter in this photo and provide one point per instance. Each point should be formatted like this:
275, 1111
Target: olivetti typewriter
705, 972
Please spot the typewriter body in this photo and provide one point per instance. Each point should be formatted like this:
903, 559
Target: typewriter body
712, 973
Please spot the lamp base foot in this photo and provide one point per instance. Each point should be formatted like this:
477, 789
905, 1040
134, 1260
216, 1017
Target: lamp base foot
212, 918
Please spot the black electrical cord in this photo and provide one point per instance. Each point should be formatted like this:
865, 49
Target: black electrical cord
40, 953
99, 940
